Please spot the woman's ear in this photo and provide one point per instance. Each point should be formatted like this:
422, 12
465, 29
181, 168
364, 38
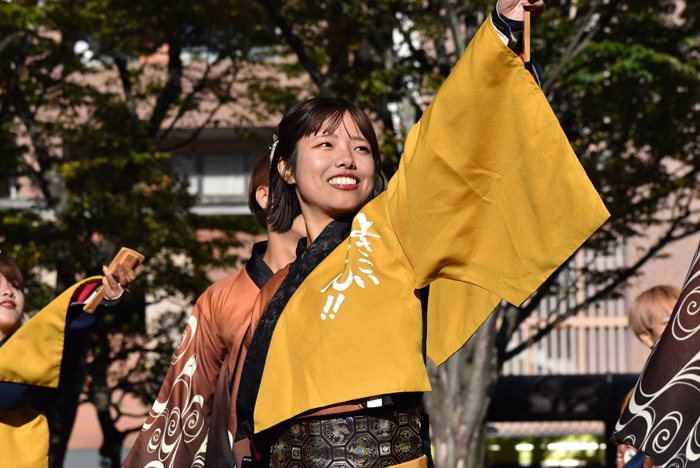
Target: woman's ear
261, 195
285, 173
646, 338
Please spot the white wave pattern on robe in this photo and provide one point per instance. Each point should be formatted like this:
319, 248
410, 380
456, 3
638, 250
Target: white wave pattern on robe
176, 425
662, 430
198, 461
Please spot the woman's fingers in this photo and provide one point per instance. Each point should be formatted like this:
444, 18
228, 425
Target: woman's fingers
110, 284
125, 274
537, 7
130, 273
121, 279
514, 9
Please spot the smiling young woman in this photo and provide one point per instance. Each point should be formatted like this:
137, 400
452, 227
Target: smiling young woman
488, 201
328, 164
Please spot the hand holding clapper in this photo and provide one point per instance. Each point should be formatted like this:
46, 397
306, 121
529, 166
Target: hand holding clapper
126, 257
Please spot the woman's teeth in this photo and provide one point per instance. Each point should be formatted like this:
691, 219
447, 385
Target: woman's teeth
343, 181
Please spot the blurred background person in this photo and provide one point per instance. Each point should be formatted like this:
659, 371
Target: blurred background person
38, 355
648, 316
188, 420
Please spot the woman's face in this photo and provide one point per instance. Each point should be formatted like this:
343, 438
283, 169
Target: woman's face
11, 306
334, 173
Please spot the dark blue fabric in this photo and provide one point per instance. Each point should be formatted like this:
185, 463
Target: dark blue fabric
637, 461
78, 325
14, 395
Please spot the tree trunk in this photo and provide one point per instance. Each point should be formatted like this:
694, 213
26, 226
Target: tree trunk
460, 399
111, 449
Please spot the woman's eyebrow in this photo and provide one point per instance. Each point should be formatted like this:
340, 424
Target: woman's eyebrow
333, 135
359, 138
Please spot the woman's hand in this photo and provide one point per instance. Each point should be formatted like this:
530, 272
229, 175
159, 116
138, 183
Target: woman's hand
514, 9
114, 287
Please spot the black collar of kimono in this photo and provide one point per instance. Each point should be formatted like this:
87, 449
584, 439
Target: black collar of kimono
301, 246
254, 364
256, 267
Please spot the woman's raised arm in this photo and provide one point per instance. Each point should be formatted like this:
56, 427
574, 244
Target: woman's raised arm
489, 191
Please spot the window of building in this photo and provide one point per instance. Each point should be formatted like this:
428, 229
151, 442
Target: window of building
217, 178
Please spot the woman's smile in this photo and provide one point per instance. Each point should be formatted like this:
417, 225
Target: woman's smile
8, 304
344, 182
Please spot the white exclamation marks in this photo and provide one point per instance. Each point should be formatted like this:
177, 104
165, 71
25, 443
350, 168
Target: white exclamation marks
340, 300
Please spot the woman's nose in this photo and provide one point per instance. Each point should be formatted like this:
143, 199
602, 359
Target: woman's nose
5, 289
345, 158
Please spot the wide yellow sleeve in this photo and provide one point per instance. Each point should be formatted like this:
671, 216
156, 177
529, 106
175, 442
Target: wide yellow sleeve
489, 191
24, 437
32, 356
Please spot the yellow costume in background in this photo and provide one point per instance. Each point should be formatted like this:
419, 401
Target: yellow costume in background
31, 361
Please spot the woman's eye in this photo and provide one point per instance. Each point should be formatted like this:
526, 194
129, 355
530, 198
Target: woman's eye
363, 149
325, 144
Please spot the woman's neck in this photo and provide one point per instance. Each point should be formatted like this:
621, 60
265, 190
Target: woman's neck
315, 226
281, 250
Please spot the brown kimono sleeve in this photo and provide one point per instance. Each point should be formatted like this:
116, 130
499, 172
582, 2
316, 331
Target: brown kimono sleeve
176, 429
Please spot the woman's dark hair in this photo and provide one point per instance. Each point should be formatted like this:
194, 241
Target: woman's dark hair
11, 272
259, 178
322, 114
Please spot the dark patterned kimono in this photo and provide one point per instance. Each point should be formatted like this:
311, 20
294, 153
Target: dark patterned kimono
662, 418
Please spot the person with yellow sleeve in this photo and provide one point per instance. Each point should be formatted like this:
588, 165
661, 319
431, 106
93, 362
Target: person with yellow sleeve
488, 196
37, 354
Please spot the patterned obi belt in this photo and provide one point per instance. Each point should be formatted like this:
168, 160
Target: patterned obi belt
357, 441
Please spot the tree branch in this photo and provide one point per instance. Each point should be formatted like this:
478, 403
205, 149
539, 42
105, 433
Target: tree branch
47, 178
319, 79
133, 429
6, 41
454, 25
171, 91
133, 415
125, 78
575, 47
195, 134
198, 88
603, 293
19, 65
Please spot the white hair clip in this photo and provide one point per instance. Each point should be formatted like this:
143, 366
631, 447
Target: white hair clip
275, 140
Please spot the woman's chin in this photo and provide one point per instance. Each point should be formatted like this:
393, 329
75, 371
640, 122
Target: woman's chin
9, 319
338, 210
336, 206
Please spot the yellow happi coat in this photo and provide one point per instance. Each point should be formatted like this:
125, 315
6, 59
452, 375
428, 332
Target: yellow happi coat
489, 199
32, 358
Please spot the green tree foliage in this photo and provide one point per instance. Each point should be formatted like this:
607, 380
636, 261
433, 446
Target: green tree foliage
93, 131
622, 76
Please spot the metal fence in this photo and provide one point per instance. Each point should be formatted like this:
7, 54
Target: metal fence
595, 341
